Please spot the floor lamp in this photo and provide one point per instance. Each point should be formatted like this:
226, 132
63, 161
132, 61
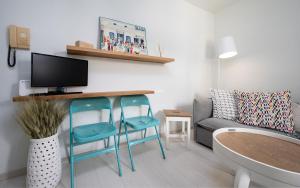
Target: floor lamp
226, 49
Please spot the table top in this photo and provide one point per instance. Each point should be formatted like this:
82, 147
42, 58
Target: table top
83, 95
262, 148
177, 113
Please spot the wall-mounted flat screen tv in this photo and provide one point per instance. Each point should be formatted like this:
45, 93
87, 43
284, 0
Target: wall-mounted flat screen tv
55, 71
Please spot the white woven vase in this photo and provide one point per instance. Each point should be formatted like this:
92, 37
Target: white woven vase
44, 163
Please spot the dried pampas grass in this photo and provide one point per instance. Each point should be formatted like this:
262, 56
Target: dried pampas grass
40, 118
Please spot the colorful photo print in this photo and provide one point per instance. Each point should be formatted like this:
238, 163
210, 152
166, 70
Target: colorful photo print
122, 37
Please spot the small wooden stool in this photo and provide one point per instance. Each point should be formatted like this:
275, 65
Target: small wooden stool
181, 116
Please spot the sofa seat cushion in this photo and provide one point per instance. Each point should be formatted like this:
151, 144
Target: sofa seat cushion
216, 123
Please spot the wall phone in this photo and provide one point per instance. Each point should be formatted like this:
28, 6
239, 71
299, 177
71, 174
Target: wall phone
19, 38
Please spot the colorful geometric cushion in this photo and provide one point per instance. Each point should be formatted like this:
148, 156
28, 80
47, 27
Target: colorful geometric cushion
269, 110
224, 104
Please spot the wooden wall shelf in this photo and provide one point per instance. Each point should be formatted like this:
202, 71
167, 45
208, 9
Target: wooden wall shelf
83, 95
74, 50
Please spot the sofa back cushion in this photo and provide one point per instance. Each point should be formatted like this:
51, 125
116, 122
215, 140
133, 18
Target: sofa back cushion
269, 110
224, 104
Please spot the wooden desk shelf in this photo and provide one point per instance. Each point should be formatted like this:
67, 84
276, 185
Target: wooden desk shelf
83, 95
73, 50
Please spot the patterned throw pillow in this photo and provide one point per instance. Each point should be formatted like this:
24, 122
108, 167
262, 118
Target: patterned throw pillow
224, 105
269, 110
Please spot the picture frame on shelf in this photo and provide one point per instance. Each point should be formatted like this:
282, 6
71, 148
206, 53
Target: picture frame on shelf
120, 36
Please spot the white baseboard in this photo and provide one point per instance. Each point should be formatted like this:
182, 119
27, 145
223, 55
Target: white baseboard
12, 174
23, 171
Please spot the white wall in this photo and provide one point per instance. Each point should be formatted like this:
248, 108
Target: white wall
184, 31
268, 42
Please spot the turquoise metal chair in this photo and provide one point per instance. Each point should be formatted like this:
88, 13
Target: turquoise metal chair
84, 134
138, 123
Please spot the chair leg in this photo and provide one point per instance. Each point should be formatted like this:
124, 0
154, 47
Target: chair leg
107, 145
104, 143
129, 150
119, 135
71, 166
161, 147
72, 172
117, 155
144, 136
145, 133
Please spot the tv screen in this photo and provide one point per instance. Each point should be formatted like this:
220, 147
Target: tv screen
55, 71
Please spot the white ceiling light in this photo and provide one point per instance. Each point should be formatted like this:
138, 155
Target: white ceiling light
227, 48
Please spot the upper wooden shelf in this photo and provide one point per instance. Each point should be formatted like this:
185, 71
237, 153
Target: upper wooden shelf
74, 50
83, 95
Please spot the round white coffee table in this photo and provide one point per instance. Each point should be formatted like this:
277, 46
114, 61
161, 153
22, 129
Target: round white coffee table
270, 159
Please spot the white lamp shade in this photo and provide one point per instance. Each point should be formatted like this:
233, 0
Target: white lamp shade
226, 48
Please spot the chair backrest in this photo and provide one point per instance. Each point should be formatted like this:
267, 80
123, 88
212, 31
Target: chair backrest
134, 100
81, 105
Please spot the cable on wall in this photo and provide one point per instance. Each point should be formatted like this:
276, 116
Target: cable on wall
11, 52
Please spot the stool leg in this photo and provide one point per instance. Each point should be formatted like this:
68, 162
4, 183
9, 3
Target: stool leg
183, 130
167, 133
161, 147
129, 150
117, 155
188, 131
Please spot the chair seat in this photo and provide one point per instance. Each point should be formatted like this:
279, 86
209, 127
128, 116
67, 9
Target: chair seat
142, 122
93, 132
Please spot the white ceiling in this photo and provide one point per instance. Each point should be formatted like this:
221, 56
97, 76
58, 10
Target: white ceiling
212, 5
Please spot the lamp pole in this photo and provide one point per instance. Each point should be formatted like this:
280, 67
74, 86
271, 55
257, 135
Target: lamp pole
219, 73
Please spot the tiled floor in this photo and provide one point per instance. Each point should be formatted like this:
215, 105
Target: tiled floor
195, 166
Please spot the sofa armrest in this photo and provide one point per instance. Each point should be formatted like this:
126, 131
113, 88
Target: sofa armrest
202, 109
296, 114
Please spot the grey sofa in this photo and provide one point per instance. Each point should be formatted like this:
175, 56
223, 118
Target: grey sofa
205, 124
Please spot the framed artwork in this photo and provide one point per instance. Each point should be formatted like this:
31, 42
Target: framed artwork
122, 37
